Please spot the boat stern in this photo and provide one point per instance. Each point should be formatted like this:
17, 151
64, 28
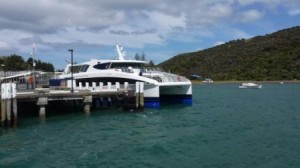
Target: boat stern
181, 94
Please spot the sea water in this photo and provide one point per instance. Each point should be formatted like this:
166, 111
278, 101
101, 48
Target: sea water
225, 127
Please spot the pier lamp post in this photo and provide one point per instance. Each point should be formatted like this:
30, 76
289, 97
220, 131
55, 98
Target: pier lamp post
72, 89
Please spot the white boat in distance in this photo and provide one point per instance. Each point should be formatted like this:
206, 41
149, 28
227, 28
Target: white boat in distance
250, 85
159, 86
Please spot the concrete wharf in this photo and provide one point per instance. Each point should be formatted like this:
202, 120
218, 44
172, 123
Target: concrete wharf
87, 95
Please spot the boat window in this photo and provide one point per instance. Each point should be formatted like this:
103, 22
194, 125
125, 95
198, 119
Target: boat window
101, 66
84, 68
76, 69
126, 65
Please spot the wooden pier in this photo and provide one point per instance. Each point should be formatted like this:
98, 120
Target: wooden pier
41, 97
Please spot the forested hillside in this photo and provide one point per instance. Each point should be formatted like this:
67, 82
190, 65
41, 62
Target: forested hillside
274, 56
17, 63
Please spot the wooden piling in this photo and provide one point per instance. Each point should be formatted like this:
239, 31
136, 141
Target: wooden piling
15, 112
8, 112
137, 94
14, 101
3, 104
141, 96
42, 111
87, 100
87, 108
42, 102
126, 87
3, 112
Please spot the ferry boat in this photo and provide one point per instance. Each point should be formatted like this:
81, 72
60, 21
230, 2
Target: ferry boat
159, 86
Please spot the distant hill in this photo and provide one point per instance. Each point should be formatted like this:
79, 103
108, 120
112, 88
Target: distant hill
274, 56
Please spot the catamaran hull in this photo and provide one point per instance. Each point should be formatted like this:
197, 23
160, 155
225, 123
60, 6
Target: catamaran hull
154, 95
176, 94
155, 92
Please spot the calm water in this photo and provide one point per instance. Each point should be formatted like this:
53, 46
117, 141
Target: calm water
225, 127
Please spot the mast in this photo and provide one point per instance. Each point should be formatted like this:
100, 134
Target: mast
121, 53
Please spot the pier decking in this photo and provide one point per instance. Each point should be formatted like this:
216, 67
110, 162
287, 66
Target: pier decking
10, 96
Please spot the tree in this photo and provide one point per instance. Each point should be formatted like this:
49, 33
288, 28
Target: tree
151, 63
39, 65
15, 63
143, 58
137, 57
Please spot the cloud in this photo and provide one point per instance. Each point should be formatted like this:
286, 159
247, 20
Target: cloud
268, 3
12, 37
294, 12
133, 23
209, 14
250, 15
219, 43
4, 46
237, 33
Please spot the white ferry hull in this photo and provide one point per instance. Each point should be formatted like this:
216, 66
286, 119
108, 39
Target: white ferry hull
154, 95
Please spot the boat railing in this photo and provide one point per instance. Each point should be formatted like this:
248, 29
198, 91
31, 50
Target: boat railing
6, 74
167, 77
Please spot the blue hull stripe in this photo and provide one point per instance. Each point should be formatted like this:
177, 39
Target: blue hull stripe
180, 99
151, 102
154, 102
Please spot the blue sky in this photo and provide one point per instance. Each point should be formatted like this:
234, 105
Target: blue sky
160, 29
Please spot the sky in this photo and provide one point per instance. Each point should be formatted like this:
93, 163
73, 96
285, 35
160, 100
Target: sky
158, 29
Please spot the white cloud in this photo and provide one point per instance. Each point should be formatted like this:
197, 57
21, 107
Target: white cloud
209, 14
4, 46
164, 21
219, 43
250, 15
146, 31
268, 3
294, 12
12, 38
238, 34
246, 2
133, 23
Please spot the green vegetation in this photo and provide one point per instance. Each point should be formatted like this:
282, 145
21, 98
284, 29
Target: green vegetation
17, 63
274, 56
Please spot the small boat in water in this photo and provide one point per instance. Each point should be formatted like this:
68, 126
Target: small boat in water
208, 80
250, 85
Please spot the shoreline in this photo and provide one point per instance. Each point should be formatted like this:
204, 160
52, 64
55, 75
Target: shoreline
236, 82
